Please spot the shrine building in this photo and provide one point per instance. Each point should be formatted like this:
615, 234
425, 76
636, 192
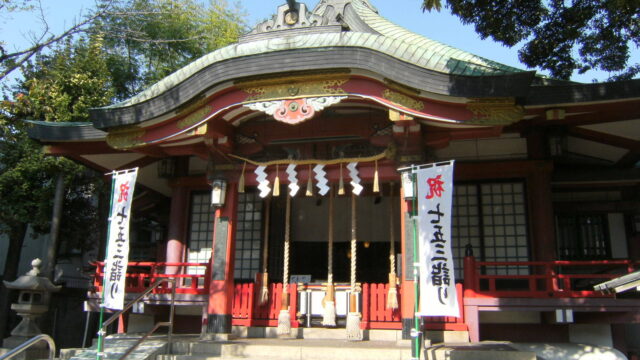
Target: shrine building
263, 163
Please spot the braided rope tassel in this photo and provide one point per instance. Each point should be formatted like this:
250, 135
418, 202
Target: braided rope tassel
354, 333
264, 289
328, 303
392, 295
284, 318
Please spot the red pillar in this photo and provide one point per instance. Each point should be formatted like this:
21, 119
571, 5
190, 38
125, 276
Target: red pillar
222, 258
541, 213
176, 242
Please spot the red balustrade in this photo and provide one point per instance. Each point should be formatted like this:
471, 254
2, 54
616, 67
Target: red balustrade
537, 279
140, 275
540, 279
375, 313
246, 311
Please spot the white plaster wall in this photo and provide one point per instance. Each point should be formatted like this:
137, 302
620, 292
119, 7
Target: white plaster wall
591, 334
618, 236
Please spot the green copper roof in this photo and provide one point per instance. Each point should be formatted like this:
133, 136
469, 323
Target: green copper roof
385, 37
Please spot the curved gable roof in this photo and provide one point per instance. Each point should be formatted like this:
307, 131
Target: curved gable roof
331, 26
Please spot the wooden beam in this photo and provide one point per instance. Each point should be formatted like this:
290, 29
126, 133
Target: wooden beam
140, 163
604, 138
629, 160
80, 148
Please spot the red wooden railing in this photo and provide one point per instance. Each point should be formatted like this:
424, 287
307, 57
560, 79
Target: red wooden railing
140, 275
544, 279
375, 314
247, 312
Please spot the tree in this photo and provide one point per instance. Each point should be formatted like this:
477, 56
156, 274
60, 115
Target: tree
149, 39
119, 51
559, 36
12, 60
60, 86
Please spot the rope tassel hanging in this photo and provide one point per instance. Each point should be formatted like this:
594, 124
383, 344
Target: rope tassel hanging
392, 295
241, 180
264, 289
354, 333
284, 318
276, 183
329, 303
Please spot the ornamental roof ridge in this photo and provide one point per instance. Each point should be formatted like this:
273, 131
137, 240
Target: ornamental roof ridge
334, 24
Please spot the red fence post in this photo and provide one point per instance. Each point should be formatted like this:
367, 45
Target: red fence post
460, 291
470, 280
365, 306
293, 305
252, 297
552, 279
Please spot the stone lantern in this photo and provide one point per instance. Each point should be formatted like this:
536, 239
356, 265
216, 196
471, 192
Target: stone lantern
33, 301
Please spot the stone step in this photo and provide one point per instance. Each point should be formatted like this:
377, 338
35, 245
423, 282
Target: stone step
313, 349
317, 333
187, 357
477, 351
116, 346
202, 347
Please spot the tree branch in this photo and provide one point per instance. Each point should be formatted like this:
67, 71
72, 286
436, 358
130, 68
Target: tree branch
24, 55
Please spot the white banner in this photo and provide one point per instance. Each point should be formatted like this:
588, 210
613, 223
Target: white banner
115, 267
437, 283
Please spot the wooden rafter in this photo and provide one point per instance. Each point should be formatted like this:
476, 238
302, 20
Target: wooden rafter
604, 138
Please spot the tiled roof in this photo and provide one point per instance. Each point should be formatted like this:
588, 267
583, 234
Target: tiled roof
382, 36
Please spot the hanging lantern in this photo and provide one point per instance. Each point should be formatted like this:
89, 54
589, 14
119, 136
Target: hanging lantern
218, 191
407, 184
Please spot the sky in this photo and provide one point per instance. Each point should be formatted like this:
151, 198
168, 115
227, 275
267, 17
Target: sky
439, 26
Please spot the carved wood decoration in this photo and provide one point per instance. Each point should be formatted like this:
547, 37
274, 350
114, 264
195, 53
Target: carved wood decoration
295, 111
495, 111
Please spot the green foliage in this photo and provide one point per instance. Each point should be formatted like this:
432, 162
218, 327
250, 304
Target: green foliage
60, 86
64, 85
122, 47
559, 36
148, 40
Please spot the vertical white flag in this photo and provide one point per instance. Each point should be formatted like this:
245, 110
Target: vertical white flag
115, 267
437, 283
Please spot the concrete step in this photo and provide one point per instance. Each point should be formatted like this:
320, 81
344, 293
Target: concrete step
187, 357
318, 333
477, 351
314, 349
196, 347
116, 345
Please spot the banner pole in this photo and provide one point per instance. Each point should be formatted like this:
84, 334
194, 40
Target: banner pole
99, 352
415, 337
